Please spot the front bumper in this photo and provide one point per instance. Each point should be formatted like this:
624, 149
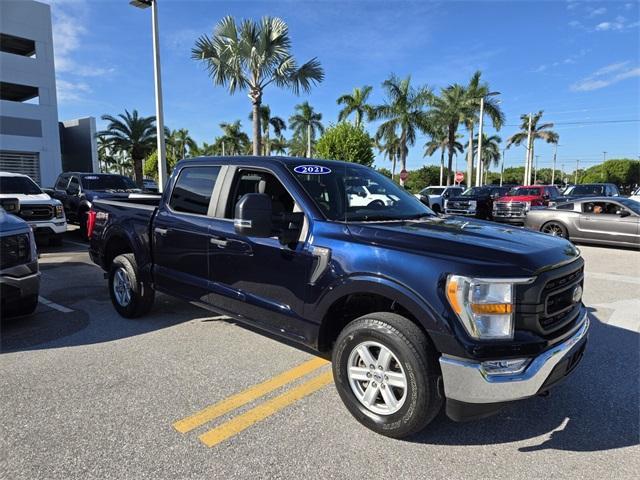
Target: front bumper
13, 289
466, 381
515, 219
458, 211
49, 227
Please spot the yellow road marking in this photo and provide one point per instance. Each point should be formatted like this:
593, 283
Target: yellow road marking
214, 411
264, 410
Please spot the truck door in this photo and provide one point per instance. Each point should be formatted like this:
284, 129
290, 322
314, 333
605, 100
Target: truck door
258, 278
599, 221
180, 234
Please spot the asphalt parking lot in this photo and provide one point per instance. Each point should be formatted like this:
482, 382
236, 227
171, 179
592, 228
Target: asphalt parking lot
183, 394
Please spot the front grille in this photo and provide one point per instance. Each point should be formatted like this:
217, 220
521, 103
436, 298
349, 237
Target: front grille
458, 205
14, 250
509, 209
36, 212
559, 306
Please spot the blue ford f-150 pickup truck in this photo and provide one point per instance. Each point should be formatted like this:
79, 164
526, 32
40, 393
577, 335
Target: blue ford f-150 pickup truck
415, 310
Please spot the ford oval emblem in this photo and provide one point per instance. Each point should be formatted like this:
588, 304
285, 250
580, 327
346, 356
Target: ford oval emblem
312, 169
577, 294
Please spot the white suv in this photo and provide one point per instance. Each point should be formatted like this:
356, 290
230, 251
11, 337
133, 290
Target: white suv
434, 196
44, 214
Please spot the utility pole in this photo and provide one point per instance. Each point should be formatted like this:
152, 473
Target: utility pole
535, 171
527, 167
504, 150
577, 167
604, 159
223, 154
479, 166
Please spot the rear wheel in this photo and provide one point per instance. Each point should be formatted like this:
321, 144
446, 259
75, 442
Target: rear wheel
387, 374
556, 229
131, 297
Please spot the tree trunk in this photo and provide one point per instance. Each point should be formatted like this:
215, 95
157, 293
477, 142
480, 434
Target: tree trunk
393, 168
470, 157
137, 171
256, 99
441, 165
265, 142
403, 155
452, 141
308, 141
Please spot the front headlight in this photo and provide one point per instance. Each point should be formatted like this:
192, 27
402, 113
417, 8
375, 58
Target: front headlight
485, 307
473, 203
59, 211
527, 206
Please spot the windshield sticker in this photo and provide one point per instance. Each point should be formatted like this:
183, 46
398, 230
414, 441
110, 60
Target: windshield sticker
312, 169
91, 177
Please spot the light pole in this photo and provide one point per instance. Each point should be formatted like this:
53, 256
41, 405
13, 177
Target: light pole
162, 151
553, 170
504, 151
479, 166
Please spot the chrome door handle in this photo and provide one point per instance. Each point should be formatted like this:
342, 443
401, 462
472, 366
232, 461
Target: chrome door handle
219, 242
160, 231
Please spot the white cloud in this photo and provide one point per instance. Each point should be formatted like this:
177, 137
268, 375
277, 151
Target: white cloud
71, 91
594, 12
570, 60
616, 25
606, 76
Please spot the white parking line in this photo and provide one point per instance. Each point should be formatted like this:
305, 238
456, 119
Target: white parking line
55, 306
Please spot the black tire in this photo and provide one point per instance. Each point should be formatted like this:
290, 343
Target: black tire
82, 221
415, 356
24, 306
140, 294
376, 204
436, 208
555, 229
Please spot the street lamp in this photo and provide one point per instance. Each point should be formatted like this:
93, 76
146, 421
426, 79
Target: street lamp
479, 166
162, 152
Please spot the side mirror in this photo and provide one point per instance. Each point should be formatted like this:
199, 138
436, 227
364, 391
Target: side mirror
253, 216
623, 213
10, 205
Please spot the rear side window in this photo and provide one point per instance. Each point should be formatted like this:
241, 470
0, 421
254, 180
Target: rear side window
565, 206
192, 192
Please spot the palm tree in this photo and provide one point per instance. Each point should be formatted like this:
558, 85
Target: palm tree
449, 109
279, 146
490, 150
267, 121
252, 55
542, 131
297, 145
389, 146
184, 143
233, 140
306, 123
206, 150
132, 134
440, 140
104, 152
356, 102
403, 112
476, 90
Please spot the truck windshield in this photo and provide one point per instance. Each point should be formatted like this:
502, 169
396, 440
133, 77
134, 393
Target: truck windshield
17, 185
432, 191
524, 191
476, 191
585, 190
354, 193
108, 182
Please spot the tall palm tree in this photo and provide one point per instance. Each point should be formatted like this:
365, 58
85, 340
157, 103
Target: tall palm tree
306, 123
440, 140
476, 90
449, 109
356, 102
538, 131
104, 152
279, 146
297, 145
404, 111
235, 141
184, 143
267, 122
490, 151
250, 56
133, 134
389, 146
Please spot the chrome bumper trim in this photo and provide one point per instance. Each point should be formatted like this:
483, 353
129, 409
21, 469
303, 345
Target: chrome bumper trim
466, 381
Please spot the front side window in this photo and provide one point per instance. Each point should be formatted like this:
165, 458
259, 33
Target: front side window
432, 191
331, 192
585, 190
19, 185
193, 189
258, 181
601, 208
74, 185
63, 181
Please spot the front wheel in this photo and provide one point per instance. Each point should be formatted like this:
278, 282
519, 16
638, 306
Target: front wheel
556, 229
131, 297
387, 374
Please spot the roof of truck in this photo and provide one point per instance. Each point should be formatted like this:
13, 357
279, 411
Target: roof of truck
266, 159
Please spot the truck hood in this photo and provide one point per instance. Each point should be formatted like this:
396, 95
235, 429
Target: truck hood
474, 240
28, 199
520, 198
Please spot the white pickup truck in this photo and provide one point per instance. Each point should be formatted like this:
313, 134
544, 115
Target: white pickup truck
44, 214
434, 196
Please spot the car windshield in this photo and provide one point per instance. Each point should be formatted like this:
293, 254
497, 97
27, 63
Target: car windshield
108, 182
432, 191
585, 190
17, 185
345, 192
476, 191
632, 205
524, 191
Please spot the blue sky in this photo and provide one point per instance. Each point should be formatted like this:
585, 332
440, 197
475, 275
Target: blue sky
577, 61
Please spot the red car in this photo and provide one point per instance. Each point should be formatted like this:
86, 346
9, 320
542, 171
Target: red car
513, 207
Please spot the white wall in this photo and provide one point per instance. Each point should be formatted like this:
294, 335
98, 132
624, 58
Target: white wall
32, 20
